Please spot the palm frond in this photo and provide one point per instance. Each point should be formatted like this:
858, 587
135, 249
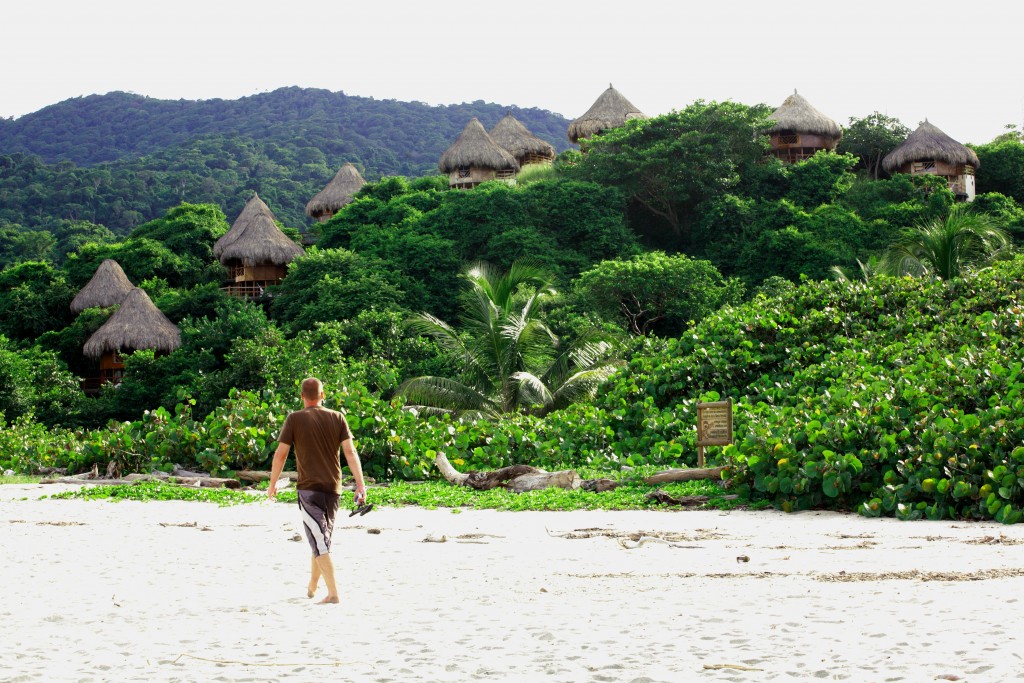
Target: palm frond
439, 330
583, 385
840, 274
443, 393
531, 391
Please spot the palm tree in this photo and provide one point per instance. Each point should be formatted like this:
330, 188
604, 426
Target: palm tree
948, 247
512, 360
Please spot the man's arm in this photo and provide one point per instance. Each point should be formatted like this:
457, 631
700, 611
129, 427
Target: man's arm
356, 467
280, 455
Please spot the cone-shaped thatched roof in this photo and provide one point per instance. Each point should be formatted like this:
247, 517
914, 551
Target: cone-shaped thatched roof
927, 143
797, 114
611, 110
254, 238
476, 148
512, 136
338, 192
137, 324
108, 287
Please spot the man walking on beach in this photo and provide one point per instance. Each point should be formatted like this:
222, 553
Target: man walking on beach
317, 433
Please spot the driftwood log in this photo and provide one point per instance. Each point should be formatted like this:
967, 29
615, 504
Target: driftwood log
685, 475
194, 481
256, 476
520, 478
666, 498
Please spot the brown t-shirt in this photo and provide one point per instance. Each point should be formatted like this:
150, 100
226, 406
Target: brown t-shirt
316, 434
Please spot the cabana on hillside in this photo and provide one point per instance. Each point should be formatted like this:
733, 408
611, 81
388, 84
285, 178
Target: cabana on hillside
512, 136
136, 325
107, 287
930, 151
475, 158
336, 194
800, 131
611, 110
255, 251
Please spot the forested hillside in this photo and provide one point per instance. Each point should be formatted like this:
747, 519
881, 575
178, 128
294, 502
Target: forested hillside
387, 136
120, 160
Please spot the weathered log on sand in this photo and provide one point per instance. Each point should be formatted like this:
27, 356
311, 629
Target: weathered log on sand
179, 471
205, 482
256, 476
666, 498
685, 475
521, 478
600, 485
518, 478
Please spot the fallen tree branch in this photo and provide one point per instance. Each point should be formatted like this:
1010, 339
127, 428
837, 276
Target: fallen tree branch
685, 475
666, 498
205, 482
518, 478
257, 476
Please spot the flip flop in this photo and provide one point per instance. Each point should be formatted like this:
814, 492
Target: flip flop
361, 510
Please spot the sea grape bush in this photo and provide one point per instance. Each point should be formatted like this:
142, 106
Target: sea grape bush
900, 397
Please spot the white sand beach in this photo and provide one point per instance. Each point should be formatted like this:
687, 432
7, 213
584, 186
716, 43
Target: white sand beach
172, 591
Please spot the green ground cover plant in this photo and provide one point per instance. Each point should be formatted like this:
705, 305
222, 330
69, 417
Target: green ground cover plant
432, 495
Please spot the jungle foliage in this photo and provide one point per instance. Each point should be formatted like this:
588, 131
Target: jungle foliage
897, 395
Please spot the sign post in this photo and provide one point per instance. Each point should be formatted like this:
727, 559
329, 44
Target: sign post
714, 426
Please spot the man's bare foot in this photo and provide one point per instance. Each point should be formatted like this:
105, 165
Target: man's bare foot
330, 600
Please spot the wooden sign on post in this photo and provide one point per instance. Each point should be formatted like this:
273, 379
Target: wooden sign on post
714, 426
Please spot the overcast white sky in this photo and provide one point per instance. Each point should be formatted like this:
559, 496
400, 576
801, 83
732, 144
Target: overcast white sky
959, 64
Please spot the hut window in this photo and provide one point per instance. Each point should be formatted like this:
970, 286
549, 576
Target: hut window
463, 171
789, 139
923, 167
505, 174
968, 170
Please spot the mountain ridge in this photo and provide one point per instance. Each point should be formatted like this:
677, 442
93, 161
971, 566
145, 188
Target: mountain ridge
95, 129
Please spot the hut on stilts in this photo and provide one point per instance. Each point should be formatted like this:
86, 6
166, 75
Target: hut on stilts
929, 151
610, 110
476, 158
255, 251
336, 194
136, 325
800, 131
107, 287
516, 139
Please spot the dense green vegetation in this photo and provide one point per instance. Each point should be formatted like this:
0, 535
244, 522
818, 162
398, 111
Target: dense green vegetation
674, 245
119, 160
387, 136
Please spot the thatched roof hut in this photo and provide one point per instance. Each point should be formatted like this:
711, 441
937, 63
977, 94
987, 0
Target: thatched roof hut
254, 238
108, 287
928, 143
336, 194
799, 131
512, 136
137, 324
475, 148
796, 114
611, 110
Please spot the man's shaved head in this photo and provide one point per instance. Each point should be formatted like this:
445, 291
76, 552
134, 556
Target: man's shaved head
312, 389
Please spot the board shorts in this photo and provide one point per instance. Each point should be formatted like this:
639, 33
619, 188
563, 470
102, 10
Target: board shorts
318, 510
